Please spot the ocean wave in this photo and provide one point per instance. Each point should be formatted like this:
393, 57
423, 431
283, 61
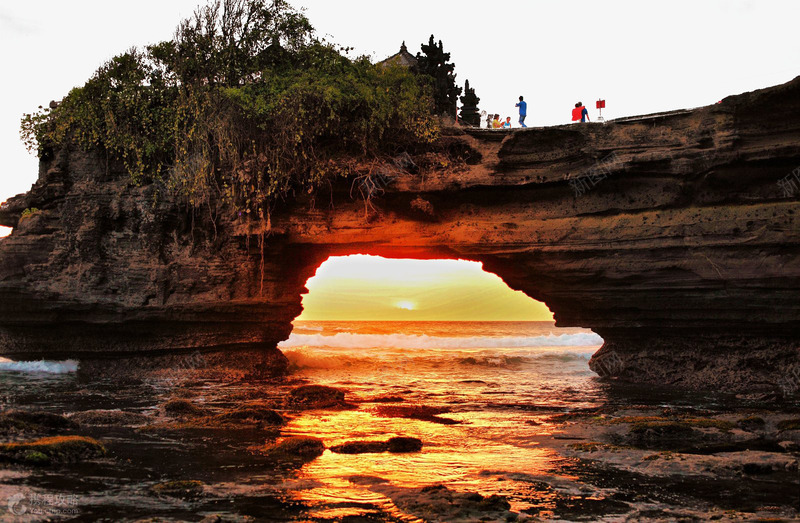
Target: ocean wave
42, 366
423, 341
310, 358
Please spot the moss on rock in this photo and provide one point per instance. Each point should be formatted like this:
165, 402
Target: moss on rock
58, 449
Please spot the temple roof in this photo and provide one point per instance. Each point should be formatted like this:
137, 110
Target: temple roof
403, 58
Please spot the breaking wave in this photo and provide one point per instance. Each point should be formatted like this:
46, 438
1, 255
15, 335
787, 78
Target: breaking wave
339, 358
423, 341
42, 366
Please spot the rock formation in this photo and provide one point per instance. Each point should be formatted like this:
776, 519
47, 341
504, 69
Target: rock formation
676, 237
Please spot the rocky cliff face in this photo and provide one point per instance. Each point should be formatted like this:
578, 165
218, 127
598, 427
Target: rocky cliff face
676, 237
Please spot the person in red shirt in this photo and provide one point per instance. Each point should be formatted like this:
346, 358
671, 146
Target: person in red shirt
580, 113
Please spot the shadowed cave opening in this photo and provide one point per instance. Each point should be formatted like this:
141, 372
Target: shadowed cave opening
436, 317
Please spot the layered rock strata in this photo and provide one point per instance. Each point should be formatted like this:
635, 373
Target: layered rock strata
676, 237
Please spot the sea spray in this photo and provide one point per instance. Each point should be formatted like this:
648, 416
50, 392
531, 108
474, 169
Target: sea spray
41, 366
424, 341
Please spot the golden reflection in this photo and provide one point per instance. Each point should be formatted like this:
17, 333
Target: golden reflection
467, 457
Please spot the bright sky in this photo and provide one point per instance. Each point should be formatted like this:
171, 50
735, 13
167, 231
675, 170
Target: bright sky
374, 288
641, 56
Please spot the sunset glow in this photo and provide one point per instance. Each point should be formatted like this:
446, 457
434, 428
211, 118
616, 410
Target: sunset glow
361, 287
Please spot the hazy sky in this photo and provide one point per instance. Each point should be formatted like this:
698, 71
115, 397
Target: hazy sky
374, 288
641, 56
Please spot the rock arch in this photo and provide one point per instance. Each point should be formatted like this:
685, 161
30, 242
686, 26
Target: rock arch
675, 236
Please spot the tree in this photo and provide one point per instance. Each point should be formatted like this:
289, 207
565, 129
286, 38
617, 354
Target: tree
469, 106
229, 41
434, 62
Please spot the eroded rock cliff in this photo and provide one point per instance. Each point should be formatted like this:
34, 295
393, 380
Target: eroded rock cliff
673, 236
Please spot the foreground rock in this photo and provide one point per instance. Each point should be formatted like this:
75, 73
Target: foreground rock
109, 418
301, 448
183, 408
419, 412
55, 450
308, 397
676, 237
719, 446
252, 414
24, 421
397, 444
441, 504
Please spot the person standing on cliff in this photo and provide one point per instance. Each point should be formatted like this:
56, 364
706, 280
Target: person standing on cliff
580, 113
523, 111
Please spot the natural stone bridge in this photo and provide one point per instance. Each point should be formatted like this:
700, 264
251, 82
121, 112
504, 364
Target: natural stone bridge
676, 237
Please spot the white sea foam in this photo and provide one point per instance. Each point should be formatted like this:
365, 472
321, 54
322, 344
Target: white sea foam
347, 358
42, 366
423, 341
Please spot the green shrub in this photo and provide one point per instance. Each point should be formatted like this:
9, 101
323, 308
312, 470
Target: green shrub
27, 213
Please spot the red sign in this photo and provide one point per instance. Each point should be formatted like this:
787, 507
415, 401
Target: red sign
601, 104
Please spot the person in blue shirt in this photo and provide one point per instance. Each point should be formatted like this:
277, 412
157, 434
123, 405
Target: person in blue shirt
523, 111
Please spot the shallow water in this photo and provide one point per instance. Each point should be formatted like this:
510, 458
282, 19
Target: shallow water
498, 383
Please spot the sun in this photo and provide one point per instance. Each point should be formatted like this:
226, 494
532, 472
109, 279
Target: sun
407, 305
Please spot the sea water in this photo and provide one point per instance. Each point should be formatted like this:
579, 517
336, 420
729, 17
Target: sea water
498, 380
497, 390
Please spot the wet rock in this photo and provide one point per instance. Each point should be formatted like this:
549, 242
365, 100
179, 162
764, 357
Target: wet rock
109, 418
751, 423
295, 447
753, 469
420, 412
441, 504
655, 434
789, 424
678, 433
388, 399
184, 489
397, 444
251, 414
178, 408
20, 421
184, 393
54, 450
317, 397
404, 444
361, 447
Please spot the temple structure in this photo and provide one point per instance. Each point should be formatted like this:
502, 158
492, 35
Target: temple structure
403, 58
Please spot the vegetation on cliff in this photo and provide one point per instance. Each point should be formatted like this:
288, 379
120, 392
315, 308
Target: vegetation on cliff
243, 105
